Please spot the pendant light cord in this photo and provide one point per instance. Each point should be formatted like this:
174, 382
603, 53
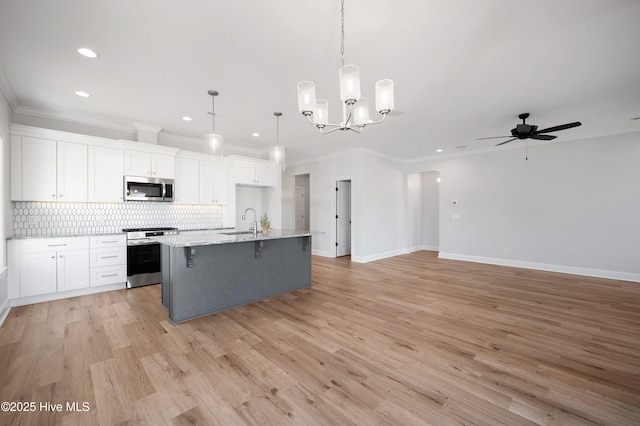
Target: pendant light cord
213, 112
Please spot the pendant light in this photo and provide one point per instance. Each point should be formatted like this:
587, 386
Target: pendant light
355, 111
276, 155
214, 141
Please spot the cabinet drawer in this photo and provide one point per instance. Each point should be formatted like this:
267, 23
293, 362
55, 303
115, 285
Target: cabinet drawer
35, 245
100, 241
108, 275
108, 256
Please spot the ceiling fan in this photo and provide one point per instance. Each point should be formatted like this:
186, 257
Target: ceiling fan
528, 131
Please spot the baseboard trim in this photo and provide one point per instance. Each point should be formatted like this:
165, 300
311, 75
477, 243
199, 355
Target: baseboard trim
589, 272
322, 253
66, 294
378, 256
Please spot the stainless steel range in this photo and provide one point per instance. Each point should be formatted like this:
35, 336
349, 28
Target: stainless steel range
143, 255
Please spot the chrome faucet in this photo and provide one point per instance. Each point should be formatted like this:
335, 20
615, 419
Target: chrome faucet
254, 225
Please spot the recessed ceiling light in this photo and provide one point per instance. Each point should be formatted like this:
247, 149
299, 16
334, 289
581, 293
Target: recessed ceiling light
82, 94
88, 53
439, 150
187, 118
255, 134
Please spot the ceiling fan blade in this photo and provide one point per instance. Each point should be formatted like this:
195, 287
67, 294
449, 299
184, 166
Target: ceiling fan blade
560, 127
510, 140
493, 137
543, 137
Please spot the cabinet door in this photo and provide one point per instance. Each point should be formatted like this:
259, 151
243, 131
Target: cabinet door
137, 163
72, 171
244, 173
72, 269
187, 181
105, 171
38, 169
221, 183
163, 166
265, 176
37, 273
207, 176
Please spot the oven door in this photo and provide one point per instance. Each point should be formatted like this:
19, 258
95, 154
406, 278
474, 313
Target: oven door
143, 264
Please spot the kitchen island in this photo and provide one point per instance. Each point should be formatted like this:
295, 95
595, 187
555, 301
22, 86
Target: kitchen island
208, 272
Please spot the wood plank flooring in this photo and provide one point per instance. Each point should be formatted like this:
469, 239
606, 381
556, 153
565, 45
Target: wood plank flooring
407, 340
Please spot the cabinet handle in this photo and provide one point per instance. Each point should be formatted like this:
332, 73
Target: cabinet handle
53, 195
108, 242
53, 257
61, 195
109, 257
56, 245
108, 275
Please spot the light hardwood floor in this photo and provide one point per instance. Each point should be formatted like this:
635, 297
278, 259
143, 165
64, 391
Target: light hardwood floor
407, 340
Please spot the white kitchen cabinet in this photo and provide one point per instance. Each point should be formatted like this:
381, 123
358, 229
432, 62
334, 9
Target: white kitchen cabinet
49, 265
73, 269
105, 174
72, 171
254, 172
214, 182
201, 180
187, 181
150, 164
108, 259
46, 170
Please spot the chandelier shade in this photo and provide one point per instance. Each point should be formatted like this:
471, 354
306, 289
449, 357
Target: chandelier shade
355, 111
306, 97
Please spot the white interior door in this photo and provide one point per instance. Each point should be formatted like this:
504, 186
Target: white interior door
343, 218
299, 203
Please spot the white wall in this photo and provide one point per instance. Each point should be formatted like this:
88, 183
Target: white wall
378, 195
572, 207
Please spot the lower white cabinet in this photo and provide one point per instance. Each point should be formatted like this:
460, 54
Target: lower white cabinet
108, 259
45, 266
48, 265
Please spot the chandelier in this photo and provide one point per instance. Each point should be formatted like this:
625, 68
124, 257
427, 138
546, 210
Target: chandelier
355, 109
213, 140
276, 155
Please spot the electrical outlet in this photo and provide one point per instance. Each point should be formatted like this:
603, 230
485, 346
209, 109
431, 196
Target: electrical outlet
505, 250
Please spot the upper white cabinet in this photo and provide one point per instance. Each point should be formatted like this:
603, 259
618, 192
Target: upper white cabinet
187, 182
47, 170
151, 164
253, 172
201, 180
214, 182
105, 173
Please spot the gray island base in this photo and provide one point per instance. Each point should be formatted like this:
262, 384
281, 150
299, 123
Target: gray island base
205, 274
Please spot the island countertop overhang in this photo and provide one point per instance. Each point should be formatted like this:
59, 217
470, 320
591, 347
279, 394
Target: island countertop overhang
208, 238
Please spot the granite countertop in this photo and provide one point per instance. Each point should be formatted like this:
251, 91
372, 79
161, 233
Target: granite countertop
206, 238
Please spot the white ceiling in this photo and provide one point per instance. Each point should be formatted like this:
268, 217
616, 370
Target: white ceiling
463, 69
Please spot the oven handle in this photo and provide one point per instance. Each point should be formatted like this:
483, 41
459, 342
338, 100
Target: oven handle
144, 242
164, 190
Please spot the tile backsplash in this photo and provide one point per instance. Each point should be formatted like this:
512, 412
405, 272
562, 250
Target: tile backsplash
35, 218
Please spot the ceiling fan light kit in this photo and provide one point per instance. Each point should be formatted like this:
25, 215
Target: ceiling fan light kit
355, 110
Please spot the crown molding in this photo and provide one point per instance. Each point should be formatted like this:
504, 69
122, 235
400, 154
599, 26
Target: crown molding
74, 118
8, 92
197, 143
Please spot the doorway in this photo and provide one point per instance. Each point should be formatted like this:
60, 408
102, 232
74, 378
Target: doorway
343, 218
301, 202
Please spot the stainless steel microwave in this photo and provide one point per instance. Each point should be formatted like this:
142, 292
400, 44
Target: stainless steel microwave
138, 188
